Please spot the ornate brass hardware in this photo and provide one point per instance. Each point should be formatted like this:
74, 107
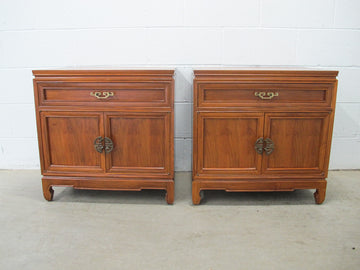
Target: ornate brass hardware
98, 144
102, 95
270, 146
259, 144
267, 95
101, 143
109, 145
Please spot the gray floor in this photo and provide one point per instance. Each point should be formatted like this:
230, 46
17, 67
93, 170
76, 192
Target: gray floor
136, 230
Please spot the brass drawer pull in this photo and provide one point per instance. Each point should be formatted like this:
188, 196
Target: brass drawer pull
267, 95
102, 95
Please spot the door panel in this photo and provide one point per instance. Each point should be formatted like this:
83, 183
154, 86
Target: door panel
300, 142
141, 142
69, 141
226, 143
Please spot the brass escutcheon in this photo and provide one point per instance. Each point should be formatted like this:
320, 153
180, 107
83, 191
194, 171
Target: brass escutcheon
268, 148
101, 143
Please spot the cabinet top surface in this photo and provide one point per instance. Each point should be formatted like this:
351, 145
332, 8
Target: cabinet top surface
199, 74
121, 73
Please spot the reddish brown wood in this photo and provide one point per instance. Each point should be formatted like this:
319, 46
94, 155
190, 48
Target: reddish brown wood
125, 93
242, 94
229, 118
145, 133
300, 143
138, 118
106, 183
231, 137
68, 139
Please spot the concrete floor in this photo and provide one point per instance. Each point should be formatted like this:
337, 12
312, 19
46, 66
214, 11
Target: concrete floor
137, 230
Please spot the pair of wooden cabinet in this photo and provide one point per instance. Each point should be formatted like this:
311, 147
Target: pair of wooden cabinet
253, 130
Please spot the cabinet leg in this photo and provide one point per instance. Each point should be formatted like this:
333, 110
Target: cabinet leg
47, 191
319, 195
196, 198
170, 193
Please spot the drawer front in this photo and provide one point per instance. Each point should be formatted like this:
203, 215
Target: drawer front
126, 94
259, 94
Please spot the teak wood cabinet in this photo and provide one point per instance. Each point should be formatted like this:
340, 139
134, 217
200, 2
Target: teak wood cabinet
107, 130
262, 130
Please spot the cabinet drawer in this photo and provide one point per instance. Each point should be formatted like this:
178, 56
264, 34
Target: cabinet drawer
263, 94
126, 94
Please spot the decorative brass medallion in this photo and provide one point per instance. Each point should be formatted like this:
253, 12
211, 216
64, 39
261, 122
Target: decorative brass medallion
101, 143
269, 146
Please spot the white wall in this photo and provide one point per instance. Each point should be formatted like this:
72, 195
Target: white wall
183, 34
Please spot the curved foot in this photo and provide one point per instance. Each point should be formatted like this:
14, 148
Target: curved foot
319, 195
170, 193
48, 192
196, 198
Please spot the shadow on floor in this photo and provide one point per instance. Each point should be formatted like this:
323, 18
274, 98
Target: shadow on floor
69, 194
219, 197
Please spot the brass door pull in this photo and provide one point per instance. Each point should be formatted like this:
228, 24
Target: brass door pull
268, 148
101, 143
102, 95
267, 95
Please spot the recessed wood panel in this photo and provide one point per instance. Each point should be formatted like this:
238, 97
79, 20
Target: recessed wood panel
226, 142
141, 142
130, 94
299, 140
69, 141
244, 94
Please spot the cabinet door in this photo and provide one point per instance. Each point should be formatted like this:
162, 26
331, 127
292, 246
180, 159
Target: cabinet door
226, 143
300, 143
68, 142
142, 143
